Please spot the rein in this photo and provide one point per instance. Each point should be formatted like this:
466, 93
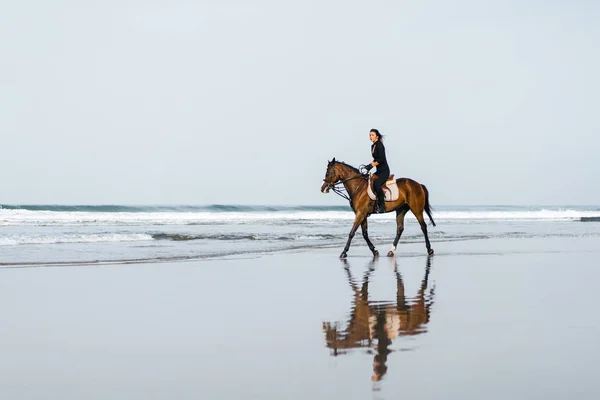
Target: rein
340, 191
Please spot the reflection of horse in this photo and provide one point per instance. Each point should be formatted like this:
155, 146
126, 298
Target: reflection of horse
412, 196
380, 322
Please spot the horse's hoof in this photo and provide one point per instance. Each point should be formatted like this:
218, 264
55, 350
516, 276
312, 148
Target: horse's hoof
343, 255
375, 253
390, 254
430, 252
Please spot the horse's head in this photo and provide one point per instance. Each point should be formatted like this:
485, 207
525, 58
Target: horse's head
331, 177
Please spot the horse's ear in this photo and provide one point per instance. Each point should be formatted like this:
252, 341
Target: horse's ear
333, 160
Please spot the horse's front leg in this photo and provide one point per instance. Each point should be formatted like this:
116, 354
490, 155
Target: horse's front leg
365, 232
357, 221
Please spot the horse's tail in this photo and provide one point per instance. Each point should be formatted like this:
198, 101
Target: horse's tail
427, 205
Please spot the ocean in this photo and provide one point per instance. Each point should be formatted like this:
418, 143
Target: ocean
89, 234
236, 302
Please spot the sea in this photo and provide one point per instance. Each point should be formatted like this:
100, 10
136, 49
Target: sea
38, 235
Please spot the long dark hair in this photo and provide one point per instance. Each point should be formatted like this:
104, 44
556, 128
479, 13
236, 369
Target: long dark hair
376, 132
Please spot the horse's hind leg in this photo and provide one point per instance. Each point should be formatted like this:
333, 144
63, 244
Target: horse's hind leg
419, 216
400, 213
358, 219
364, 226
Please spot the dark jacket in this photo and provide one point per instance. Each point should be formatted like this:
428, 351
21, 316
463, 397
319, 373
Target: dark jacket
378, 151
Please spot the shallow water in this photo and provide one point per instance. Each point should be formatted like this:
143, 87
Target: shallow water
37, 235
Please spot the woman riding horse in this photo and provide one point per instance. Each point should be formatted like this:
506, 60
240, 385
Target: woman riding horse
383, 169
412, 196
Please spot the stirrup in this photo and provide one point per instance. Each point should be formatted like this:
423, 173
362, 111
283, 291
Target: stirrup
377, 209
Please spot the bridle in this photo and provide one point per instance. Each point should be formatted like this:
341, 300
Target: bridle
338, 187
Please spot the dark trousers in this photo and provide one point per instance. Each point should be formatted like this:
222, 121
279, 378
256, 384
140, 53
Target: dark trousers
382, 176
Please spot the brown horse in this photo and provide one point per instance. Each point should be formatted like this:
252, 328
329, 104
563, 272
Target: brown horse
412, 196
375, 324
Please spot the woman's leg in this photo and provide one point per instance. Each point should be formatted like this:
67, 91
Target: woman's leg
377, 184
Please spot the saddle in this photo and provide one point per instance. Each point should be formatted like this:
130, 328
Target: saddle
390, 189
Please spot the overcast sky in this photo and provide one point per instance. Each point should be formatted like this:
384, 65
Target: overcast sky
243, 102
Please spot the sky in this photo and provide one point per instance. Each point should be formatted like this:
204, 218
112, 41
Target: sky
244, 102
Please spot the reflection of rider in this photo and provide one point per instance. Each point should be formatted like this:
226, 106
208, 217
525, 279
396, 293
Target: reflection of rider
380, 321
383, 170
383, 347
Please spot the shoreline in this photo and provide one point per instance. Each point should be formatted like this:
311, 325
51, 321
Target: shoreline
408, 248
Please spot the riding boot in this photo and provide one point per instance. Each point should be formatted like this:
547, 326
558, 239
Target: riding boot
376, 207
381, 205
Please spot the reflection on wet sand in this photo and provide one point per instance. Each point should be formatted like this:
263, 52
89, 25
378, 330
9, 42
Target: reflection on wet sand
374, 323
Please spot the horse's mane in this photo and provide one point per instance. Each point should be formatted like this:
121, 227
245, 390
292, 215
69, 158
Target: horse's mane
349, 166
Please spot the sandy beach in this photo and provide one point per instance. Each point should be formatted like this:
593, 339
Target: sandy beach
481, 319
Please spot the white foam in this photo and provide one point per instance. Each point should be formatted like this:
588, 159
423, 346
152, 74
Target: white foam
13, 240
53, 218
537, 215
25, 217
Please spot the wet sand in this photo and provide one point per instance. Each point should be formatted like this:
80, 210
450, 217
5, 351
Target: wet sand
491, 319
